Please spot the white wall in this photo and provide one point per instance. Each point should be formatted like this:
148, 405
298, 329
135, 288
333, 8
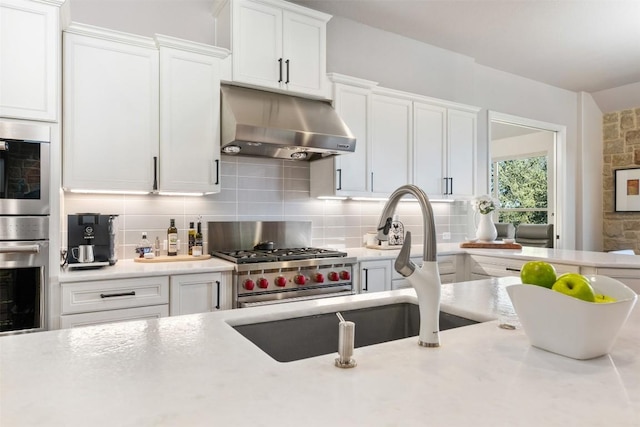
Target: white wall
618, 98
589, 222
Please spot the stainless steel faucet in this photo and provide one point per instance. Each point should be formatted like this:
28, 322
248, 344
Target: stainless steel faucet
426, 278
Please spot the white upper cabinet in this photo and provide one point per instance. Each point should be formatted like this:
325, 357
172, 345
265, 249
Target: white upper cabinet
189, 116
111, 110
390, 142
139, 118
29, 59
444, 153
401, 138
430, 147
347, 174
462, 136
275, 44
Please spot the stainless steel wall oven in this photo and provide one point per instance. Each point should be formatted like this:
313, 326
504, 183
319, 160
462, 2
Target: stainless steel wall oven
24, 258
24, 169
24, 226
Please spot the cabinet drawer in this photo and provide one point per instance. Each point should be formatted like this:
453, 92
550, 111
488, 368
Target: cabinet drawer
82, 297
629, 277
113, 316
501, 267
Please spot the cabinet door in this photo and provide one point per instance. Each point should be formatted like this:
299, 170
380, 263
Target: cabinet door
198, 293
190, 122
429, 145
111, 113
257, 44
113, 316
352, 105
304, 52
390, 143
29, 50
462, 148
375, 276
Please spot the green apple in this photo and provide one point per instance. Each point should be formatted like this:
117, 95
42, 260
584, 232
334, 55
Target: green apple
601, 298
575, 285
538, 273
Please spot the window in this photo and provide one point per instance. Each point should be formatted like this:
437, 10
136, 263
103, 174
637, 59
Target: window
521, 185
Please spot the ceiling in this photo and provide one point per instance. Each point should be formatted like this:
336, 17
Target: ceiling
578, 45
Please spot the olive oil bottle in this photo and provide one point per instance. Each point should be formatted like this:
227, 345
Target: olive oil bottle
172, 239
192, 238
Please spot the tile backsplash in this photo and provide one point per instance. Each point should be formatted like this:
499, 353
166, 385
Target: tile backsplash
256, 189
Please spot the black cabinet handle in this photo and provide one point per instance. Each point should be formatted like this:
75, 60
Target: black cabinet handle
451, 186
121, 294
339, 179
280, 64
218, 295
217, 171
513, 269
155, 173
366, 279
287, 63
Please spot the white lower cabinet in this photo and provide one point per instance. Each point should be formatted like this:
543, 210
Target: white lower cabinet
198, 293
629, 277
446, 267
117, 300
483, 267
114, 316
375, 276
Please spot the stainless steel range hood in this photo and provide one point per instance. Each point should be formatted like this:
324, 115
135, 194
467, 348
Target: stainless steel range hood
266, 124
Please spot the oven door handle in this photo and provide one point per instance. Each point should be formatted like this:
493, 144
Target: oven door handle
30, 249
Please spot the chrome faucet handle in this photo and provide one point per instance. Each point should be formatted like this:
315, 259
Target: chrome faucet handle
403, 264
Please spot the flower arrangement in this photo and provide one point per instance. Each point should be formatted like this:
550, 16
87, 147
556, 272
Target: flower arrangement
485, 204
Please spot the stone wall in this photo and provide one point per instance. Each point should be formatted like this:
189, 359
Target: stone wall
621, 150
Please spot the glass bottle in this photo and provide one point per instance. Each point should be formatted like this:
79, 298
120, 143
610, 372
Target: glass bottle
192, 237
197, 248
172, 239
144, 246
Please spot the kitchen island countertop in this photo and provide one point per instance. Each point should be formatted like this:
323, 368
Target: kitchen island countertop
197, 370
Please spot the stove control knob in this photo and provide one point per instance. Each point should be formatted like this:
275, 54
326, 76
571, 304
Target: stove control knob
263, 283
318, 278
299, 279
345, 275
333, 276
249, 284
281, 281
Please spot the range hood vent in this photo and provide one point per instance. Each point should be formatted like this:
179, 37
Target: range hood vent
266, 124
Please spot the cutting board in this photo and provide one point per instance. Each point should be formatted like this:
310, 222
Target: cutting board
177, 258
384, 248
490, 245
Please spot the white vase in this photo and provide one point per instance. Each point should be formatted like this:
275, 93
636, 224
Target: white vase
486, 229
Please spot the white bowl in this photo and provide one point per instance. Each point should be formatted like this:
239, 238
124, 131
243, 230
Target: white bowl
509, 241
569, 326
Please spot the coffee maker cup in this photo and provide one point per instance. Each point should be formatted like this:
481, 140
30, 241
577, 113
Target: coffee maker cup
83, 253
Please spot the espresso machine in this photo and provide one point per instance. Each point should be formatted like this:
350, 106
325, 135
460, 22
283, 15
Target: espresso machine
91, 240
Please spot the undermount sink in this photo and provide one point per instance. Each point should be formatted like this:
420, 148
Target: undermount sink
302, 337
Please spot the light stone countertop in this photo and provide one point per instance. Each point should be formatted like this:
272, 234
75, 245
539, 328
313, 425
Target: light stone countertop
197, 370
128, 268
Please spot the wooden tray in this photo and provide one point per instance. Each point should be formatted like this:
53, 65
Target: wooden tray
177, 258
490, 245
384, 248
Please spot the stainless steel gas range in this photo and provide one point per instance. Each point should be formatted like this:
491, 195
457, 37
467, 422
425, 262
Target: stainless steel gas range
274, 263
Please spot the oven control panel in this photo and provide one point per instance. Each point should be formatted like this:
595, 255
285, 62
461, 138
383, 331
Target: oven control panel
285, 279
